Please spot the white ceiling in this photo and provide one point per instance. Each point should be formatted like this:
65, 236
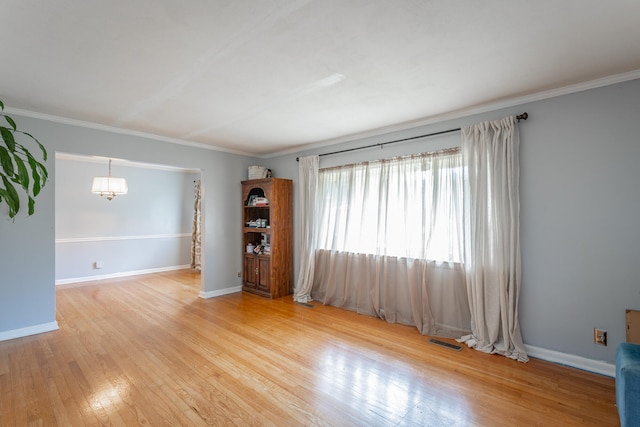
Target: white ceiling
265, 76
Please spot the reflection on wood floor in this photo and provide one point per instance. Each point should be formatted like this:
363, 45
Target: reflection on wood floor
147, 351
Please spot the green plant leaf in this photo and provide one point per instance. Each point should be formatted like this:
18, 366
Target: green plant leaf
6, 162
1, 105
23, 175
8, 138
37, 168
43, 173
31, 205
4, 195
44, 150
34, 174
11, 122
36, 187
11, 197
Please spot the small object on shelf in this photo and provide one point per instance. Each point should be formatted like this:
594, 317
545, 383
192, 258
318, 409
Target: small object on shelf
250, 248
257, 223
257, 172
261, 201
262, 249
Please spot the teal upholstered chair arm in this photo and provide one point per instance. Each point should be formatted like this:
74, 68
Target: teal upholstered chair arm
628, 384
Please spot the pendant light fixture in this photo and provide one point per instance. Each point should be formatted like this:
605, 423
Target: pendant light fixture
109, 186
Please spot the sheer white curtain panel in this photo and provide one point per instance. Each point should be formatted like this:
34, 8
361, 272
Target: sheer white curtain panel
492, 237
389, 241
307, 220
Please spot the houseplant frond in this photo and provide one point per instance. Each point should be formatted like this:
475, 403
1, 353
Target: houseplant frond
19, 169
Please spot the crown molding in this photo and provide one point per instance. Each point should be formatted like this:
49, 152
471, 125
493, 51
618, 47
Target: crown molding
113, 129
466, 112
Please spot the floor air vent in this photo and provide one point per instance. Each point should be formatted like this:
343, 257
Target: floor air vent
305, 304
445, 344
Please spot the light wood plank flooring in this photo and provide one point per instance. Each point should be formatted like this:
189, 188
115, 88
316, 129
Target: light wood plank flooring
147, 351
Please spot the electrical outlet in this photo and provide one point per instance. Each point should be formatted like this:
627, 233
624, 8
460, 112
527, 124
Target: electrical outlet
239, 274
600, 336
98, 264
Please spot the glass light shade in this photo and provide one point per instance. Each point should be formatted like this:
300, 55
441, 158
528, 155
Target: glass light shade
109, 186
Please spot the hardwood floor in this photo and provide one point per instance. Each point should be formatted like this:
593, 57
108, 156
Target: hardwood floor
147, 351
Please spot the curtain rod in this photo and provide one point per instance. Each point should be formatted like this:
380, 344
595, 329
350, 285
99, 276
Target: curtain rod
523, 116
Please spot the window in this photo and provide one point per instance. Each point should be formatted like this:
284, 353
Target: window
405, 207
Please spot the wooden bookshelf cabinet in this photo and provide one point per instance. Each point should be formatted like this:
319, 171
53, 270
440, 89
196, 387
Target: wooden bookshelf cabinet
269, 272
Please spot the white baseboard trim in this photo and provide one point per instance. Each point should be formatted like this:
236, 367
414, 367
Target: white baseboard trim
30, 330
117, 275
220, 292
596, 366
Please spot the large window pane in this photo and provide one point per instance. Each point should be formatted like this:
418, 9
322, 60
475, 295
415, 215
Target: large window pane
405, 207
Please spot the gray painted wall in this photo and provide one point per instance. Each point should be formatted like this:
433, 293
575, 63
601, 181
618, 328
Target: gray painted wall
27, 292
580, 204
159, 203
27, 245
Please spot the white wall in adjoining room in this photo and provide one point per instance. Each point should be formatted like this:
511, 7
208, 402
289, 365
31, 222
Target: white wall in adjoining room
148, 229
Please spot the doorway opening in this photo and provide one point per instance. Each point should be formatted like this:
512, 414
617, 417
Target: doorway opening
150, 229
